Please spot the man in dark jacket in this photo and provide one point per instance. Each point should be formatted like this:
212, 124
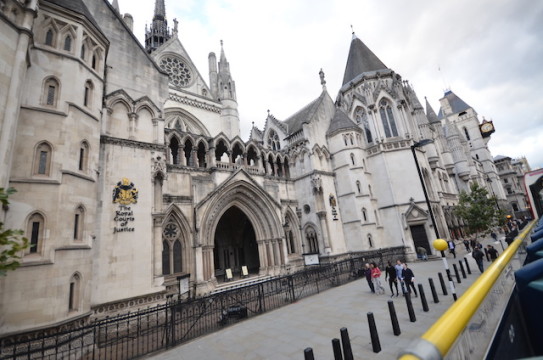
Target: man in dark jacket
478, 256
367, 272
408, 277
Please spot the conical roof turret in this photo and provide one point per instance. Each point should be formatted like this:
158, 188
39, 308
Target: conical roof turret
360, 60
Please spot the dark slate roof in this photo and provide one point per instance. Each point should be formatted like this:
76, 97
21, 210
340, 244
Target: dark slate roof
430, 113
360, 60
341, 121
305, 115
77, 6
457, 105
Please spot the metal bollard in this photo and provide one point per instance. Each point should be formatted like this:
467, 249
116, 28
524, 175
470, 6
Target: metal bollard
394, 318
308, 354
456, 273
462, 270
467, 266
442, 281
433, 289
425, 307
410, 310
346, 342
336, 346
375, 343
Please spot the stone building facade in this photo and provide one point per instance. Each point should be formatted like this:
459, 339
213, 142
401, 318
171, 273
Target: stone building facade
133, 181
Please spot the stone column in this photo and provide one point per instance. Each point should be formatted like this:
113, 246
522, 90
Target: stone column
132, 125
325, 231
211, 156
157, 249
181, 155
262, 257
276, 255
155, 130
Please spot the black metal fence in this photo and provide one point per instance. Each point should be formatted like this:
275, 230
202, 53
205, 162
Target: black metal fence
136, 334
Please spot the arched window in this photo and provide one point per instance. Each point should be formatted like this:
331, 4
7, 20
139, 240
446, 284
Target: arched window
68, 43
165, 257
365, 214
79, 218
515, 206
286, 168
94, 62
387, 118
362, 118
467, 134
83, 156
189, 153
172, 249
50, 37
157, 192
202, 155
273, 140
42, 159
376, 217
370, 241
83, 52
87, 100
352, 158
174, 150
34, 232
50, 92
74, 293
290, 242
369, 190
358, 186
312, 240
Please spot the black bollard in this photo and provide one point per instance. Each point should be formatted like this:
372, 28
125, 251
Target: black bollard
394, 318
346, 342
462, 269
308, 354
433, 289
410, 310
425, 307
467, 266
376, 345
456, 273
442, 281
336, 346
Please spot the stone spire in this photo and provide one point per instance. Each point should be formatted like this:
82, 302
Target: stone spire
360, 60
227, 86
158, 32
430, 113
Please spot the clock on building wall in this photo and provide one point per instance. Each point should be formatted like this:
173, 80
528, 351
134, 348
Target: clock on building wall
486, 128
179, 72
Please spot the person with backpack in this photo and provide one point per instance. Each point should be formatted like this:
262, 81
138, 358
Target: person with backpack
478, 256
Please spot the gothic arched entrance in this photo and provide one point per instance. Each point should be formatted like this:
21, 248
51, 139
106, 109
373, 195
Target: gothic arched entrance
235, 244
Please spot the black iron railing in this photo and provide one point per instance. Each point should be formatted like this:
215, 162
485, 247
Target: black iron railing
135, 334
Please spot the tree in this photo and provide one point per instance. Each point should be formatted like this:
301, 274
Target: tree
478, 210
12, 242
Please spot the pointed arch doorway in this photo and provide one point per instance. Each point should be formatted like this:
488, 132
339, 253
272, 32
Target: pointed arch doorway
235, 244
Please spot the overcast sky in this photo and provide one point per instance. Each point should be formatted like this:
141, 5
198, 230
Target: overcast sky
490, 53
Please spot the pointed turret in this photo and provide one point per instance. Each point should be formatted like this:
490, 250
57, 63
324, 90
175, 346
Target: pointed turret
227, 86
430, 113
360, 60
158, 32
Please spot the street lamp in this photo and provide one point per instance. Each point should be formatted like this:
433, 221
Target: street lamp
416, 145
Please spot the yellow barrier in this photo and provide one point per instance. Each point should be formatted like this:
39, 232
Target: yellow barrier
442, 335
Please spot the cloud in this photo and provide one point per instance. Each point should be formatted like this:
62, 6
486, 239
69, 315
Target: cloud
489, 52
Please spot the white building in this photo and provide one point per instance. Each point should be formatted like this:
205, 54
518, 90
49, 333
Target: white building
131, 173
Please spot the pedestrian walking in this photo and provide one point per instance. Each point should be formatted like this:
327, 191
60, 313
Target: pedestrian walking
478, 256
492, 252
487, 255
473, 244
494, 236
408, 278
367, 273
452, 247
466, 244
376, 278
390, 275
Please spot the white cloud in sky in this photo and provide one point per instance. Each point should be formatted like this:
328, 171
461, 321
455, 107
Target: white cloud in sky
489, 51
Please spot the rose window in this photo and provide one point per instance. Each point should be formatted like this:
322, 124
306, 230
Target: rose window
179, 73
171, 231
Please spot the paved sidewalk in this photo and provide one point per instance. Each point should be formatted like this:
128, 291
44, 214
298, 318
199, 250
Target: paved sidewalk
314, 321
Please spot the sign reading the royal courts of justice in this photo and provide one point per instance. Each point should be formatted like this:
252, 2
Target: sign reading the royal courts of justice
124, 194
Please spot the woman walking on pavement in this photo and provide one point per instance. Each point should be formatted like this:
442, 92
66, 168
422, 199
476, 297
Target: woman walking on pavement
367, 273
390, 274
409, 279
452, 247
376, 278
